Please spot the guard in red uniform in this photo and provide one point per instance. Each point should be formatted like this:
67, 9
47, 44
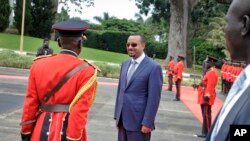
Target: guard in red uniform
207, 95
223, 78
170, 70
61, 89
178, 70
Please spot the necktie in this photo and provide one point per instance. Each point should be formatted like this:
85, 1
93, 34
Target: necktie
234, 91
131, 71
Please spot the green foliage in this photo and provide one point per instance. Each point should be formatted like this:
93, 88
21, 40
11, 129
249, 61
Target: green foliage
94, 39
78, 4
115, 42
107, 40
123, 25
208, 24
104, 18
206, 9
158, 8
204, 48
4, 14
63, 15
42, 18
216, 31
108, 70
157, 48
9, 58
18, 16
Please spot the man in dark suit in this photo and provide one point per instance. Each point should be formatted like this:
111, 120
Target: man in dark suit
235, 110
138, 94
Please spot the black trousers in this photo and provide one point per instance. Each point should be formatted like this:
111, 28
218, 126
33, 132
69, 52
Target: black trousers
170, 82
207, 116
178, 89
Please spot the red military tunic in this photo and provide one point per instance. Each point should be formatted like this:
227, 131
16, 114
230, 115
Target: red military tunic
223, 71
210, 80
178, 70
201, 91
170, 67
45, 73
226, 72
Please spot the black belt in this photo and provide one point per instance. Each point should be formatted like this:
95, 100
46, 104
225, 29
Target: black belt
54, 108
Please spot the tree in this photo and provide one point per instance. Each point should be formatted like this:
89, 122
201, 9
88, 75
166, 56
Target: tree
63, 15
77, 3
105, 17
4, 15
42, 18
123, 25
180, 11
18, 16
180, 20
224, 1
139, 18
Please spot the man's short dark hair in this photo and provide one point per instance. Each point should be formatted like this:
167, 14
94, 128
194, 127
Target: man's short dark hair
143, 39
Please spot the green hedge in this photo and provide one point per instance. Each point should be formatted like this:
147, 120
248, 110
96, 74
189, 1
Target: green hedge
115, 41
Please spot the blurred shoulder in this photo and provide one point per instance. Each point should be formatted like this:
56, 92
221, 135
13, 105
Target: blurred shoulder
95, 67
43, 57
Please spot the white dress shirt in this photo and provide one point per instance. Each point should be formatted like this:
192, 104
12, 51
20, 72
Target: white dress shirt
138, 61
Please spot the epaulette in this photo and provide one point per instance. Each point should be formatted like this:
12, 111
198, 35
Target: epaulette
96, 67
43, 56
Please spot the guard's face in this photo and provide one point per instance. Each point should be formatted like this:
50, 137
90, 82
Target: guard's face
134, 46
46, 43
178, 59
234, 40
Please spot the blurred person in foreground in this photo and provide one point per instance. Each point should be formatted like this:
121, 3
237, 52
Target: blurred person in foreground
60, 90
138, 94
235, 110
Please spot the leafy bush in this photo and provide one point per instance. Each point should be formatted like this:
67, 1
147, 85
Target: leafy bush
4, 14
9, 58
204, 48
115, 41
108, 70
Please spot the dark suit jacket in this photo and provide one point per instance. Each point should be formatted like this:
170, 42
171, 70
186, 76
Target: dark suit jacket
239, 114
138, 101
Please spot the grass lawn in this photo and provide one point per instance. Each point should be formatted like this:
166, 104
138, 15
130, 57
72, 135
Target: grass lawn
31, 44
12, 41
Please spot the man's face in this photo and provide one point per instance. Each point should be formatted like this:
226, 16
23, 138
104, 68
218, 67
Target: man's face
178, 59
234, 42
46, 43
134, 46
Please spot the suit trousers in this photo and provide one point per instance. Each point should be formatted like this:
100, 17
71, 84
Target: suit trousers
207, 116
125, 135
170, 82
178, 89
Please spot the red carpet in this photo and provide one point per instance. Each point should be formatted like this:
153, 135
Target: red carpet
189, 98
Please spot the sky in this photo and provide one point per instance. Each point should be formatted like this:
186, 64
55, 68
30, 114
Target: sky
118, 8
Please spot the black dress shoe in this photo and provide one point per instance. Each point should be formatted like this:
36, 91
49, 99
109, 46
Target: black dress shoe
176, 99
200, 135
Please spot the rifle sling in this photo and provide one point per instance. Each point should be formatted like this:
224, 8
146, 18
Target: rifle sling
63, 81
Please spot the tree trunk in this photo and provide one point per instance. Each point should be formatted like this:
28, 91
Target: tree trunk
187, 19
179, 26
54, 10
